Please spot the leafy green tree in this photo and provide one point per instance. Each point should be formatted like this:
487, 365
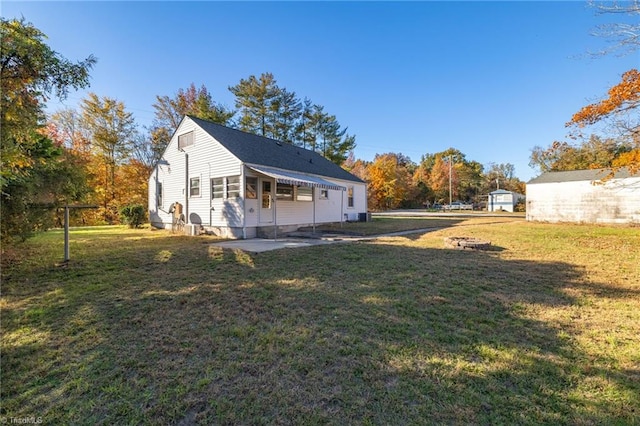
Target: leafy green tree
287, 110
257, 100
304, 129
31, 165
274, 112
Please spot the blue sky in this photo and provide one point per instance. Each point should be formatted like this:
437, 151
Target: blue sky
492, 79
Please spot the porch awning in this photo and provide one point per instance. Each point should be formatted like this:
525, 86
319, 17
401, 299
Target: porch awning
293, 178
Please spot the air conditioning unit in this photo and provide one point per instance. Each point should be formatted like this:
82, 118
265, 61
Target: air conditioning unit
191, 229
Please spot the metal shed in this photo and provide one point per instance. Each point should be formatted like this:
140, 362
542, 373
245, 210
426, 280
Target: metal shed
584, 196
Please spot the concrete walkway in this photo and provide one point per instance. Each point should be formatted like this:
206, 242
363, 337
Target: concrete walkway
257, 245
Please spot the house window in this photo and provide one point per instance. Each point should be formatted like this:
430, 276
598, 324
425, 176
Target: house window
284, 191
233, 186
350, 197
194, 187
159, 194
185, 140
217, 188
304, 193
251, 188
324, 194
266, 194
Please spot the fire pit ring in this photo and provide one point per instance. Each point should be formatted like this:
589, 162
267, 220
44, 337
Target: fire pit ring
466, 243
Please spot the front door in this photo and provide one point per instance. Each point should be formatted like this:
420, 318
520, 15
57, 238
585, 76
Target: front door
266, 201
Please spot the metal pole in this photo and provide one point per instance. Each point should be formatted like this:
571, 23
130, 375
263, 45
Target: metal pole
66, 233
450, 168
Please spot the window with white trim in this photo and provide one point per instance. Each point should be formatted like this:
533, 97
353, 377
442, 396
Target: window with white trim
324, 194
217, 188
185, 140
284, 191
194, 187
304, 193
233, 186
159, 194
350, 196
251, 188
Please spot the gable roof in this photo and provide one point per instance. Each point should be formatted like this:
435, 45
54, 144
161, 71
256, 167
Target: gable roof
261, 151
580, 175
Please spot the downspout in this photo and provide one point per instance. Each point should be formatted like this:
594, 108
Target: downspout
210, 197
341, 207
313, 194
157, 205
243, 189
186, 186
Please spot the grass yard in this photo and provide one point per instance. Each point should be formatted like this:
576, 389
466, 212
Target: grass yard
145, 327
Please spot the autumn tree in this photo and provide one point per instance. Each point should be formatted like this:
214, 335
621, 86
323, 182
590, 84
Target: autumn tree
31, 164
389, 181
112, 130
623, 37
620, 109
170, 110
502, 176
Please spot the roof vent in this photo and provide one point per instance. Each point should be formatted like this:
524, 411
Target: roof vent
278, 143
311, 160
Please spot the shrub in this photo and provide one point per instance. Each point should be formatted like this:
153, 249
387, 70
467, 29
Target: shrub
520, 206
133, 215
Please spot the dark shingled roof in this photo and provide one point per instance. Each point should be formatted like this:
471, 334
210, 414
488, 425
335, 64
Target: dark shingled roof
258, 150
580, 175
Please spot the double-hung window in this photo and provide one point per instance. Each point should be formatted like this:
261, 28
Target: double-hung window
194, 187
217, 188
233, 186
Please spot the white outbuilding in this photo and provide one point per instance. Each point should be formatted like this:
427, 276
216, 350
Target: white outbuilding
503, 200
585, 196
240, 185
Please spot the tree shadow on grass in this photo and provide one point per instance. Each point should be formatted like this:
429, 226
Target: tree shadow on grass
377, 332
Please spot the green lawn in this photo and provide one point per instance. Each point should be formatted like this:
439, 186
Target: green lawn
145, 327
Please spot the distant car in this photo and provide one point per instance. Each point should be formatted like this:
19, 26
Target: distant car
458, 205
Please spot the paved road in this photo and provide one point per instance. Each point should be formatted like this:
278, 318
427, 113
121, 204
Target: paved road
461, 213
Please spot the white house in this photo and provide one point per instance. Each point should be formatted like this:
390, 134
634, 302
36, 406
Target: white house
503, 200
583, 196
241, 185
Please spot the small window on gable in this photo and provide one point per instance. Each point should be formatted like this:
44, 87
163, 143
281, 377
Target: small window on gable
194, 187
185, 140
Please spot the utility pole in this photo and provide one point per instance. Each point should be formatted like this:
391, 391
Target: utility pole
450, 169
